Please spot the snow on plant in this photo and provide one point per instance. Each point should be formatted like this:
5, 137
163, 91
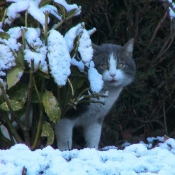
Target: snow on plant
85, 48
36, 53
39, 55
171, 11
95, 79
33, 8
71, 35
59, 57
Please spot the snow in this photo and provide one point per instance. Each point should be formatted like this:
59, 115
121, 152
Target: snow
133, 160
7, 59
85, 47
72, 34
59, 58
96, 82
69, 7
171, 11
39, 55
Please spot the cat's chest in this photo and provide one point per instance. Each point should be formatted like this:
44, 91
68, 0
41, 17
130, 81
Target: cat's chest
98, 111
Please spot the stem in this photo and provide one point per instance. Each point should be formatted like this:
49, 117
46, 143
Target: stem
9, 106
12, 129
26, 16
46, 28
164, 117
29, 99
71, 86
23, 40
38, 132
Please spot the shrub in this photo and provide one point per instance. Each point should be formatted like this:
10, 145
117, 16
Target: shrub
41, 76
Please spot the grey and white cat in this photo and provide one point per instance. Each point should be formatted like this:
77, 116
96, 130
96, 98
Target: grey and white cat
117, 68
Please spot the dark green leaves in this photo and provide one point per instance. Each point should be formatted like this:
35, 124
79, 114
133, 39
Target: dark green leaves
51, 106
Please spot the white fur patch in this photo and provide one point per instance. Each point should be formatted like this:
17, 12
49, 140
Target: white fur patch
114, 76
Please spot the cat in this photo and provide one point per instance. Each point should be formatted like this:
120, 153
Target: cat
117, 68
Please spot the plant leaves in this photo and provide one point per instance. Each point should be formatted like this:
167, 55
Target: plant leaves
14, 75
16, 105
51, 106
19, 92
4, 35
71, 13
44, 2
48, 132
20, 58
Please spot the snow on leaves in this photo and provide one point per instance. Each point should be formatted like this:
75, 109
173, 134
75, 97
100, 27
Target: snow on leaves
39, 55
59, 58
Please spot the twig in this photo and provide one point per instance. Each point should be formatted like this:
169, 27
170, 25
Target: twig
157, 28
164, 117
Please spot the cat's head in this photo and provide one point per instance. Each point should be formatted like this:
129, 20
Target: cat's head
115, 63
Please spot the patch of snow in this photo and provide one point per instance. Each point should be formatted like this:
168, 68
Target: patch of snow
59, 58
171, 11
134, 160
72, 34
85, 48
79, 64
7, 59
69, 7
95, 79
39, 55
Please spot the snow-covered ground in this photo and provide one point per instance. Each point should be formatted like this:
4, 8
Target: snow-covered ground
134, 159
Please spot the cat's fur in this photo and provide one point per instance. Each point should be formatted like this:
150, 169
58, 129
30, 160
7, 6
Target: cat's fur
117, 68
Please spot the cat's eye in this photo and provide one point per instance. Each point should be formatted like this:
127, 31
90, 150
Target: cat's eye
104, 66
119, 65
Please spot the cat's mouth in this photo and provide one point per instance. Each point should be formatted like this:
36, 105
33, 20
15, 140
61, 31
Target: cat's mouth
113, 81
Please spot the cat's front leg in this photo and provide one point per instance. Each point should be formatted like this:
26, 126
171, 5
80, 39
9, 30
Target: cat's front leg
92, 134
63, 131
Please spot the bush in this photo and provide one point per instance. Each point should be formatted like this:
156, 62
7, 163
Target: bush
41, 76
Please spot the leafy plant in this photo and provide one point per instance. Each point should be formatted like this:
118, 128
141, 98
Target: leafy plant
37, 81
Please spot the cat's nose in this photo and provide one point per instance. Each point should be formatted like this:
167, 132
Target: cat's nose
112, 75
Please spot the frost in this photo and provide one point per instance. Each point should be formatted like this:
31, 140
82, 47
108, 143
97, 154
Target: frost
59, 58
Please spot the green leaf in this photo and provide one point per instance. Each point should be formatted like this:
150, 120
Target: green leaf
16, 105
19, 92
48, 132
13, 76
63, 10
51, 106
43, 74
44, 2
20, 58
35, 98
71, 13
4, 35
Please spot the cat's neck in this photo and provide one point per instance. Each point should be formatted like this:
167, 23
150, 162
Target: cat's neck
113, 94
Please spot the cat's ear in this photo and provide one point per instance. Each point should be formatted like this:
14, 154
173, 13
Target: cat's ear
129, 46
96, 48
